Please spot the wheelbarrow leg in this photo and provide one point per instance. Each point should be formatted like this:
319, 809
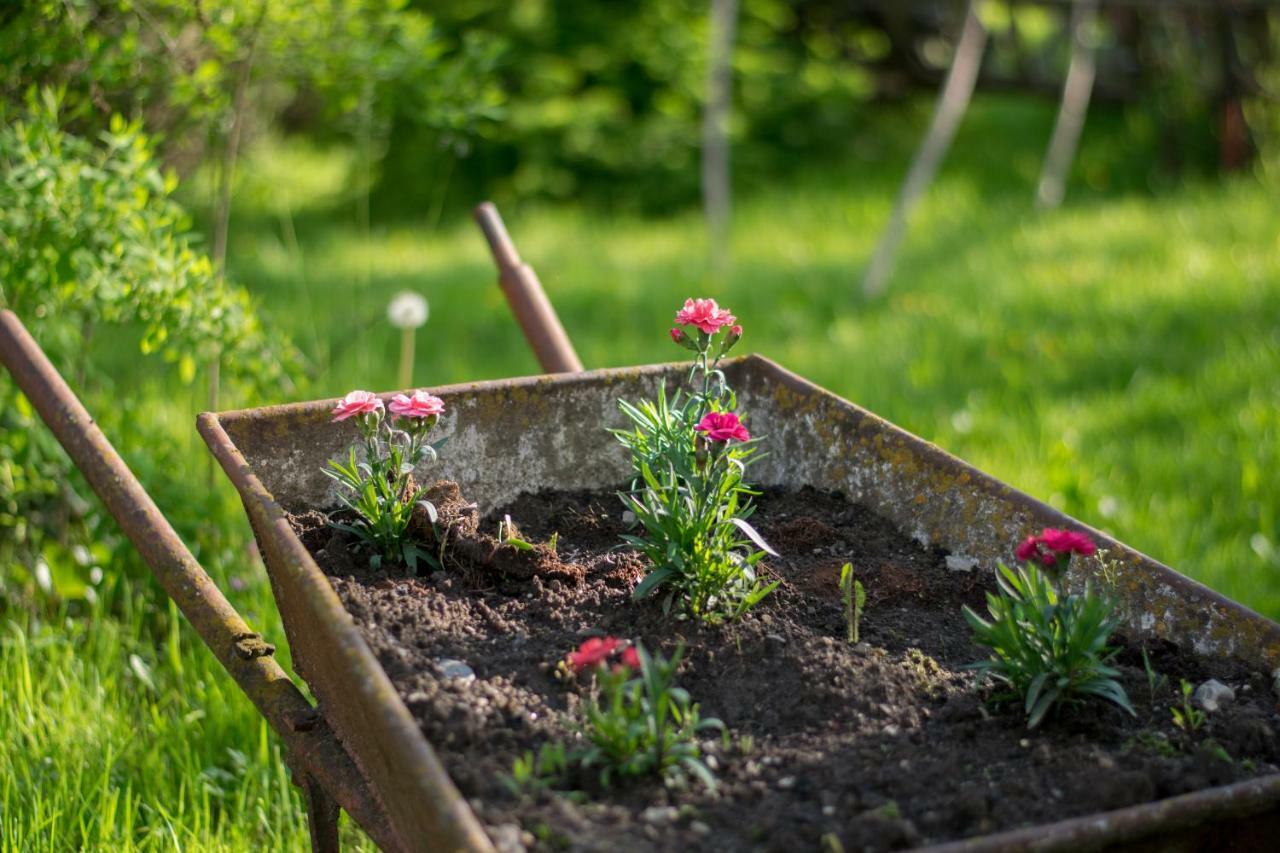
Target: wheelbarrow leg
322, 815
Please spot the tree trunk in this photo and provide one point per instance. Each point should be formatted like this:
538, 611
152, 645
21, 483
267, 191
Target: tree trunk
1075, 104
952, 103
716, 199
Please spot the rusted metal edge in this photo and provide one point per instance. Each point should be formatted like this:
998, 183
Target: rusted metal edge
529, 303
1267, 631
308, 742
615, 375
1132, 824
425, 808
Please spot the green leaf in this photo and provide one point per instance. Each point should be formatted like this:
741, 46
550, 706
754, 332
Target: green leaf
652, 581
755, 537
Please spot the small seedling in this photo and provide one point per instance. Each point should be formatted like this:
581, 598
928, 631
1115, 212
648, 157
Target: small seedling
1155, 681
506, 535
1155, 742
554, 542
1189, 718
535, 772
855, 598
890, 810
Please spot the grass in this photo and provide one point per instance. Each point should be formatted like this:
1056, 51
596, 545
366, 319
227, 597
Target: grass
1119, 358
120, 731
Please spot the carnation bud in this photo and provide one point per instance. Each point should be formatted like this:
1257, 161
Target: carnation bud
730, 339
678, 335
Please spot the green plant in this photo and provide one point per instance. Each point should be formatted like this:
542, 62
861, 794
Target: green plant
637, 722
855, 598
538, 771
100, 262
1155, 681
1046, 649
1187, 716
507, 535
382, 495
688, 456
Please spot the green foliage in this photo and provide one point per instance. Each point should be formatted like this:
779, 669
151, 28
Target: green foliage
90, 234
1155, 681
641, 724
92, 244
539, 771
200, 73
688, 493
693, 505
855, 598
379, 490
1046, 649
605, 100
1187, 716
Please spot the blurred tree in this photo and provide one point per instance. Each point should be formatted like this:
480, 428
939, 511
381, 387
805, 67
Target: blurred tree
715, 130
605, 100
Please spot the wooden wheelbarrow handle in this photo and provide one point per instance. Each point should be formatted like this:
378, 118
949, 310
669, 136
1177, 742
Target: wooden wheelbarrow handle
526, 297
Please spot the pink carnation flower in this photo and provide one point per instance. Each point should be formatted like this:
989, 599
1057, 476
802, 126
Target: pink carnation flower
705, 314
722, 426
356, 403
420, 405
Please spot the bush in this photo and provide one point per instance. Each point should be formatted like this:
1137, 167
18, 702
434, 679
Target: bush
91, 239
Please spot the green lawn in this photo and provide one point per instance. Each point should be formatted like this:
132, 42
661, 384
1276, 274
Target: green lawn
1119, 358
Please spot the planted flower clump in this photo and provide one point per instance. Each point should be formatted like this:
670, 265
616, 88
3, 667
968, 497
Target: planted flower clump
689, 661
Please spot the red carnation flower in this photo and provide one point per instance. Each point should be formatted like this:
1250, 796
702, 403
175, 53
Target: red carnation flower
595, 650
722, 426
1045, 548
1028, 549
1067, 541
630, 659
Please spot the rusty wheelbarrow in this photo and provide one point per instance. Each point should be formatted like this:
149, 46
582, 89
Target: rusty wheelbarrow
360, 749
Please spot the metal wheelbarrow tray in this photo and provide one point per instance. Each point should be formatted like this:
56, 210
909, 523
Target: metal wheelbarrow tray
275, 455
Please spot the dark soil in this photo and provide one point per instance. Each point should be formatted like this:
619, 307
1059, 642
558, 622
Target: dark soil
883, 745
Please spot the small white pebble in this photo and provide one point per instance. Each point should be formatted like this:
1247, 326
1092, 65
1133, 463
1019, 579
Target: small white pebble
1213, 694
